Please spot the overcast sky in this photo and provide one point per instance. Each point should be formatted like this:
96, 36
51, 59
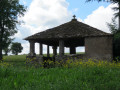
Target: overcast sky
44, 14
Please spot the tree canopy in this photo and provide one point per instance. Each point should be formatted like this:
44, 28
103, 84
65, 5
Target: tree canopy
113, 27
10, 10
112, 1
6, 47
16, 48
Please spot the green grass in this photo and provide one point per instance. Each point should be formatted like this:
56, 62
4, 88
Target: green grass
15, 58
21, 77
60, 79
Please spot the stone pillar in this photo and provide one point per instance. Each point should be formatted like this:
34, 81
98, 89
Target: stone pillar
32, 48
54, 50
72, 50
48, 52
41, 49
61, 47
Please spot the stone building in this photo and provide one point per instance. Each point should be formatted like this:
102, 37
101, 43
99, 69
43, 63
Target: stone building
98, 44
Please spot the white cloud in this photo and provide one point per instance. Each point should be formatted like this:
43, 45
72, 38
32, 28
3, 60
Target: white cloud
100, 17
25, 48
44, 14
75, 10
47, 13
80, 20
18, 35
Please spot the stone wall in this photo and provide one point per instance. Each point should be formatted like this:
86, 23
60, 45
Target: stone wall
69, 57
35, 60
100, 47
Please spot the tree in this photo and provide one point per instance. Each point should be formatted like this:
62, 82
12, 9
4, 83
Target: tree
10, 10
115, 8
6, 48
116, 39
113, 27
116, 46
16, 48
6, 51
7, 42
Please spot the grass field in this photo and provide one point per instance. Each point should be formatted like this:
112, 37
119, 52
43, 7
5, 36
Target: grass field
19, 77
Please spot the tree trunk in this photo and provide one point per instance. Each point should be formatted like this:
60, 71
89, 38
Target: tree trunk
1, 39
16, 53
119, 15
1, 57
6, 53
1, 51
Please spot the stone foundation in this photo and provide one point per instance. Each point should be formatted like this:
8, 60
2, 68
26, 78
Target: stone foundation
70, 57
62, 59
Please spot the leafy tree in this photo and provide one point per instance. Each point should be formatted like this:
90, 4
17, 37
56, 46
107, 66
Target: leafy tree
115, 8
10, 10
113, 27
6, 48
116, 45
16, 48
116, 39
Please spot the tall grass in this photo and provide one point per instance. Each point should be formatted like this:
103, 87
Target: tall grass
92, 78
81, 77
